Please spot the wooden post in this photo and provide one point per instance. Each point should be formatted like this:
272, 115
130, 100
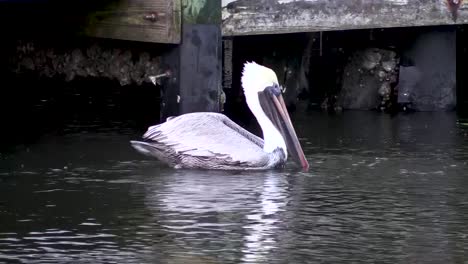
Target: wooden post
461, 69
227, 63
200, 65
170, 86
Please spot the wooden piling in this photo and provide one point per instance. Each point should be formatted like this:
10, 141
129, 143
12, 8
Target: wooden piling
200, 56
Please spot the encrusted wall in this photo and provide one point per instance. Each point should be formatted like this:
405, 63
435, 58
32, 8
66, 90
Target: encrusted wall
126, 65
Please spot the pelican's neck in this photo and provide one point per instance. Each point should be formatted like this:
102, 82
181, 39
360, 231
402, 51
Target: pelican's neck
272, 138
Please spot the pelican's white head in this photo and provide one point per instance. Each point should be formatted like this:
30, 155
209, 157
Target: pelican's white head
255, 78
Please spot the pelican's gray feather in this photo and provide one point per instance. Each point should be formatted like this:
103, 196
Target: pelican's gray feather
206, 140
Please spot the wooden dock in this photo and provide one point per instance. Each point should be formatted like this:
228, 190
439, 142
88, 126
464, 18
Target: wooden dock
195, 29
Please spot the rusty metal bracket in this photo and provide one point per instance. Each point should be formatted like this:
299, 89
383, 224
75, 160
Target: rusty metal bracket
152, 17
454, 6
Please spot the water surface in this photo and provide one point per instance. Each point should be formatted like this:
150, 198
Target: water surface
380, 189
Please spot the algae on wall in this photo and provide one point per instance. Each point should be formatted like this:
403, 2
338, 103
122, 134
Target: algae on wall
201, 11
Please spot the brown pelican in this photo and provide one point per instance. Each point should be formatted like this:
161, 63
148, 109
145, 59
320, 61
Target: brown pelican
205, 140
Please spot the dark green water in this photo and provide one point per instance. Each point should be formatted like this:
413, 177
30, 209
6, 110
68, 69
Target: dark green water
380, 190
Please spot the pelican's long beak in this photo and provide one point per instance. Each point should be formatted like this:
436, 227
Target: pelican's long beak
273, 105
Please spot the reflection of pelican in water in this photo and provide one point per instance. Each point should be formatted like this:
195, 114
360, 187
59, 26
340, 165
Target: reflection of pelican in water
213, 141
204, 212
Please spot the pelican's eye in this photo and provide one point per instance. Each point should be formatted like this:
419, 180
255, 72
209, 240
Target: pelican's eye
275, 89
279, 88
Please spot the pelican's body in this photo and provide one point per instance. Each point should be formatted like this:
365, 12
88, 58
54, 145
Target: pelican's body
206, 140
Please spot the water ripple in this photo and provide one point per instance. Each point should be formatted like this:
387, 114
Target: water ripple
393, 195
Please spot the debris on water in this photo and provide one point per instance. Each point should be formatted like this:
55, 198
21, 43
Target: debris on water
49, 191
90, 224
24, 220
463, 123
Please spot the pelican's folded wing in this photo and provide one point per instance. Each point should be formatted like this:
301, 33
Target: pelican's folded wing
207, 137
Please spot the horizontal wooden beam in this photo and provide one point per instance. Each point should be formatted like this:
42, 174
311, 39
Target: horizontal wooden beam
155, 21
250, 17
139, 20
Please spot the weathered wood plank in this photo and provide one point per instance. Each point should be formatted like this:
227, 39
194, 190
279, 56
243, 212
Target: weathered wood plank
139, 20
156, 21
249, 17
